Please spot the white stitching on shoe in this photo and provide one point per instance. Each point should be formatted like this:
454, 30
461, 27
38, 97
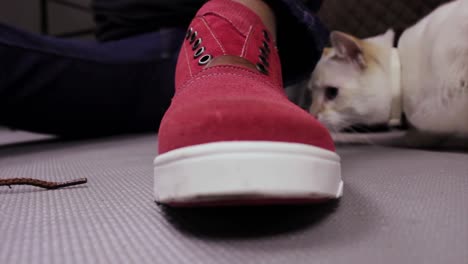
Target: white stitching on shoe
244, 50
266, 81
181, 90
228, 20
212, 33
187, 59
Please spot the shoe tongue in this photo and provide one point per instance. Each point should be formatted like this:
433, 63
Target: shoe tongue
241, 17
233, 61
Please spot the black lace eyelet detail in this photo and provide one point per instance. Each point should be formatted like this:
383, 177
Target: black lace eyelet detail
196, 44
193, 37
266, 36
261, 68
189, 33
264, 52
205, 59
199, 52
266, 46
264, 61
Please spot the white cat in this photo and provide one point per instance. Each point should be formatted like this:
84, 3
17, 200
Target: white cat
426, 76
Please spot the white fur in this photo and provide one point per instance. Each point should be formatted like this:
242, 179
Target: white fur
434, 59
434, 77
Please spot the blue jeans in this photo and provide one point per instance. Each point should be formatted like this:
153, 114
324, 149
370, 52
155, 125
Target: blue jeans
121, 84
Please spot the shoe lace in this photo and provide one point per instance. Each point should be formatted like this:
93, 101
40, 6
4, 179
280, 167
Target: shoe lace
49, 185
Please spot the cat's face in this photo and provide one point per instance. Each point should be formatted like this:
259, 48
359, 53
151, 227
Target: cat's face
350, 84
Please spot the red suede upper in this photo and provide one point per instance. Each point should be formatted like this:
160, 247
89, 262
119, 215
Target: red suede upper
228, 103
227, 28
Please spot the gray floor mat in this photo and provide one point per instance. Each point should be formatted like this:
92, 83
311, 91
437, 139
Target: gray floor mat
399, 206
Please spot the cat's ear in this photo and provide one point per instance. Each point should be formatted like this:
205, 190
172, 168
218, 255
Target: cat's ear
348, 47
385, 39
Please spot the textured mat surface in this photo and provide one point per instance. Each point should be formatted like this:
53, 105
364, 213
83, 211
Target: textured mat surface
400, 206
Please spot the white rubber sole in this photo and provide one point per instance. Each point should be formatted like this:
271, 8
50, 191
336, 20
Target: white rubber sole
247, 172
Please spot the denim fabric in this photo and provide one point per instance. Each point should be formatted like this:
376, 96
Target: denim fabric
302, 12
301, 37
80, 89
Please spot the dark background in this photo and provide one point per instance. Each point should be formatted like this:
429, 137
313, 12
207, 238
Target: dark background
25, 14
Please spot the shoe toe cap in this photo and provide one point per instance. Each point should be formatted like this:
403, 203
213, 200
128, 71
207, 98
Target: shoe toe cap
240, 119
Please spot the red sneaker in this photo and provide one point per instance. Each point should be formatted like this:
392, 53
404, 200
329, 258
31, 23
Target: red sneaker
231, 136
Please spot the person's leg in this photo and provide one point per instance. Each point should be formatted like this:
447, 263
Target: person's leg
77, 89
117, 19
300, 34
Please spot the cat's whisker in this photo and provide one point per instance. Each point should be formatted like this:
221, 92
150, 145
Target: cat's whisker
338, 136
334, 133
364, 136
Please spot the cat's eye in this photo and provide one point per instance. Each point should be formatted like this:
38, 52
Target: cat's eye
331, 93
